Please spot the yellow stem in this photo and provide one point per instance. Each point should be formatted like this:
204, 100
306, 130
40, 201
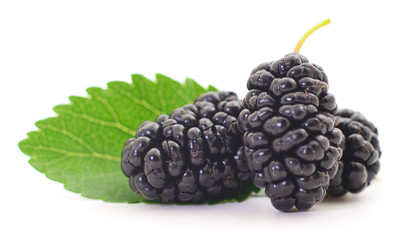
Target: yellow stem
305, 36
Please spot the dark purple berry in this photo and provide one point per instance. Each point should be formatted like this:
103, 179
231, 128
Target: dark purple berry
192, 155
360, 162
290, 140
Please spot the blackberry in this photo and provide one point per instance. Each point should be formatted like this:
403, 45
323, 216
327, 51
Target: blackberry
188, 156
360, 161
291, 143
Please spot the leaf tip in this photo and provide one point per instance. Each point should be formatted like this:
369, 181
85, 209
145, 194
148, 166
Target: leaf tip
21, 145
138, 77
212, 88
163, 77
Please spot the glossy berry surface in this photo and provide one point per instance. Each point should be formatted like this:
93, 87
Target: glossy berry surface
292, 146
360, 163
190, 155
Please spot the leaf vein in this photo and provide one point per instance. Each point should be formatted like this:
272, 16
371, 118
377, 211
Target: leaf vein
109, 107
72, 136
103, 123
144, 103
75, 154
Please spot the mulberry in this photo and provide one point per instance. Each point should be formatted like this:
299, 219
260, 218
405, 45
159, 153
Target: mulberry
291, 143
188, 156
360, 162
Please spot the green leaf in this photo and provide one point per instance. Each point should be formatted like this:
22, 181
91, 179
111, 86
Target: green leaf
81, 147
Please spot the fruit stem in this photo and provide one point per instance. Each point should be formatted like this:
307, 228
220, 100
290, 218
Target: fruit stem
307, 34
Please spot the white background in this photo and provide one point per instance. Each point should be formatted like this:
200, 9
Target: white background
50, 50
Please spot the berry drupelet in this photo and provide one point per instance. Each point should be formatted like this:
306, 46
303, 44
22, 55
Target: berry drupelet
291, 143
188, 156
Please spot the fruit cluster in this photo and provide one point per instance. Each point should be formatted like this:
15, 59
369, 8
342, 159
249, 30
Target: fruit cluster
291, 144
287, 136
188, 156
360, 162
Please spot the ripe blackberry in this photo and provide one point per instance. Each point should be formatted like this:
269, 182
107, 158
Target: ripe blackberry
291, 144
189, 155
360, 161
